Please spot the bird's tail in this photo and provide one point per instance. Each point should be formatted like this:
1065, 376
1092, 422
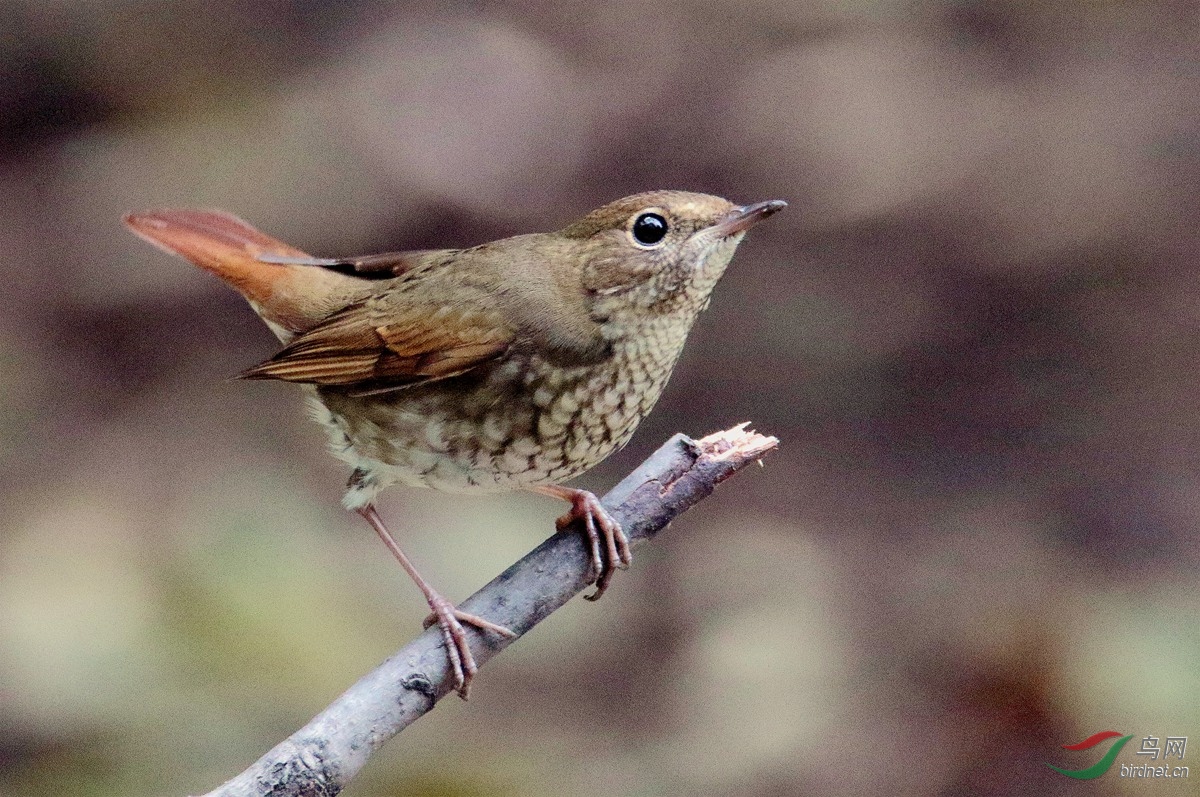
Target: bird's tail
290, 297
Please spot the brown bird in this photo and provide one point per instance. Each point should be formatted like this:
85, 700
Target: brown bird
513, 365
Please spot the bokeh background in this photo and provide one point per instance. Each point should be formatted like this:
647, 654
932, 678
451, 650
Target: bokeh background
975, 330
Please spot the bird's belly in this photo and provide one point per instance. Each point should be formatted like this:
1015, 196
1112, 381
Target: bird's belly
516, 427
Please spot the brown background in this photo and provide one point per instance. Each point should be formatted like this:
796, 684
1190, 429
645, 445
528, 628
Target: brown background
975, 331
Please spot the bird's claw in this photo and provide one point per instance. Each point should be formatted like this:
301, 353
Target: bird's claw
598, 524
449, 619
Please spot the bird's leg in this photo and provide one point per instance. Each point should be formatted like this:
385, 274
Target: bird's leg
447, 616
597, 522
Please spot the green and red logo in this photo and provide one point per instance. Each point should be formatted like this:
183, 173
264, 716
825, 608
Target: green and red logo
1100, 767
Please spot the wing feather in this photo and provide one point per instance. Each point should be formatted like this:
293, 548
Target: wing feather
415, 344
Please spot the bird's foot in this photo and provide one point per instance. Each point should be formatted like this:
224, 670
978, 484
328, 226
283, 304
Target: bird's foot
598, 526
449, 619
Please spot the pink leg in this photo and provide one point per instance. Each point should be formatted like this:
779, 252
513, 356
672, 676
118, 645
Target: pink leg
448, 617
597, 522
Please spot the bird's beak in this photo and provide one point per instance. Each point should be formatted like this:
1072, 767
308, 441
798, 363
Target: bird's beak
743, 218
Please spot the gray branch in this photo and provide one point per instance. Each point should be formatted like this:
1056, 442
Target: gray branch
322, 757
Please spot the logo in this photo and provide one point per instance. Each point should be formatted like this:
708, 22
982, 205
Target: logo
1174, 746
1100, 767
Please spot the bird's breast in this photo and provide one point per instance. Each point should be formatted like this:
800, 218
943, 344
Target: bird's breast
519, 422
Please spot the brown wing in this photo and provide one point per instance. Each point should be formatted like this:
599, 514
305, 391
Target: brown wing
382, 345
381, 266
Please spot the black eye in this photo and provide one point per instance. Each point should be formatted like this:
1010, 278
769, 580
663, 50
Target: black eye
649, 229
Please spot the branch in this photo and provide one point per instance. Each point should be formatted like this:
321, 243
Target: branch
322, 757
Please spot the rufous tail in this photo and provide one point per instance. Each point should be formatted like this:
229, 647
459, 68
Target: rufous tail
290, 298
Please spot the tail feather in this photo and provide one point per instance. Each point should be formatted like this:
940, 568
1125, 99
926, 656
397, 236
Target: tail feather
291, 298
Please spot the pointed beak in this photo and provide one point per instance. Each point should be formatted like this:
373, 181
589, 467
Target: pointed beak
743, 218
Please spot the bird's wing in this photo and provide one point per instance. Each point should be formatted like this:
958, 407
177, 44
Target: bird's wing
381, 266
389, 342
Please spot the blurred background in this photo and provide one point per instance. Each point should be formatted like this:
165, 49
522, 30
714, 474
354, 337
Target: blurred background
975, 331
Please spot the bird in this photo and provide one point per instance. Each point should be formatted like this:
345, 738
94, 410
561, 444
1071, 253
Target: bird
516, 364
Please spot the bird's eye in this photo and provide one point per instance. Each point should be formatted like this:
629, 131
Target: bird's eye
649, 229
